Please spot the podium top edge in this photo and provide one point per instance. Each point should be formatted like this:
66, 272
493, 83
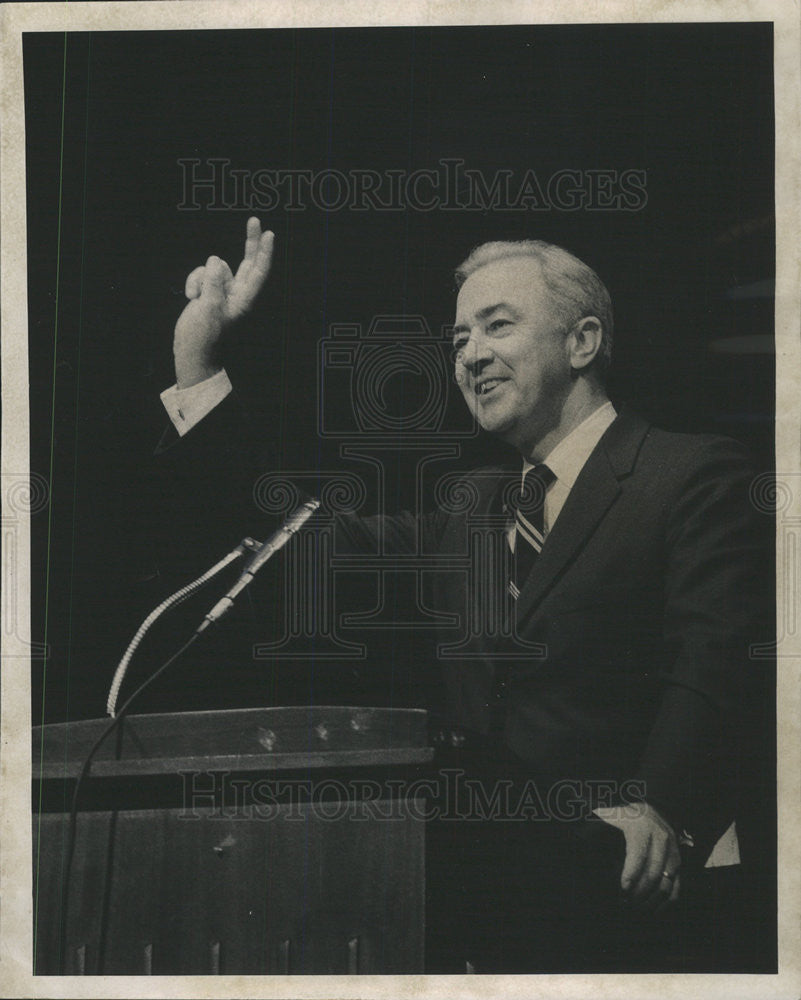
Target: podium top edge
242, 732
209, 713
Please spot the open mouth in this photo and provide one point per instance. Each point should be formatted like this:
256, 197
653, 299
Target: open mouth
488, 386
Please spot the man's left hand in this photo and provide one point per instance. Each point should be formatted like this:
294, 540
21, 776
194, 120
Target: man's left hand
650, 876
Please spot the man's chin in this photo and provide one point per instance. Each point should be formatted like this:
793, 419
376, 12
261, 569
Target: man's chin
497, 425
494, 419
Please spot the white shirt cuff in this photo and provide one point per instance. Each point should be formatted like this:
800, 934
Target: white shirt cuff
727, 850
187, 407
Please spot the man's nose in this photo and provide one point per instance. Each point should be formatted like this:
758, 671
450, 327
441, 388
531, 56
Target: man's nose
476, 353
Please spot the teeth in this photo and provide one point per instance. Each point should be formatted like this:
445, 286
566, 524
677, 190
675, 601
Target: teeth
485, 387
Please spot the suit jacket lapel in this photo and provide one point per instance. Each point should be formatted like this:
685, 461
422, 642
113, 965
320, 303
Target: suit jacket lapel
592, 495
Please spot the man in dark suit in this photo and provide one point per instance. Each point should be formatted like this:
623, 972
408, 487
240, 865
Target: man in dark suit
618, 668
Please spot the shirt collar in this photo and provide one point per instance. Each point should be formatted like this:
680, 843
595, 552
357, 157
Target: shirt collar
567, 459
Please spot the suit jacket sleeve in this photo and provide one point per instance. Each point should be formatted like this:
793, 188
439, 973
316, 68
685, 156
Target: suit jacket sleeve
715, 583
209, 479
206, 484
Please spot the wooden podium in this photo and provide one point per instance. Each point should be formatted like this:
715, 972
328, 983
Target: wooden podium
257, 841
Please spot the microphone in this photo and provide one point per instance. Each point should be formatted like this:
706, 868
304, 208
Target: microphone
293, 523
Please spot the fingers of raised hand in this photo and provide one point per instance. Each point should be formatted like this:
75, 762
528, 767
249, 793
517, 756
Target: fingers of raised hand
252, 237
194, 283
212, 279
255, 267
263, 259
217, 280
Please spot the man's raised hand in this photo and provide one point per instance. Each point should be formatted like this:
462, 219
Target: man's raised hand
217, 298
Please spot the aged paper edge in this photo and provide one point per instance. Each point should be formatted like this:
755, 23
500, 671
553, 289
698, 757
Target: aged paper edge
15, 717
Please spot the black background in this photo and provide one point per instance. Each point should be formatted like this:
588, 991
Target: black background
109, 115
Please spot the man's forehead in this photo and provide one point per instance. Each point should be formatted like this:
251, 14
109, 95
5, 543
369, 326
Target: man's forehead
508, 280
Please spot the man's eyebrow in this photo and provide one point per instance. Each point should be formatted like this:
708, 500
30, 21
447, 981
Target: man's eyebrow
488, 310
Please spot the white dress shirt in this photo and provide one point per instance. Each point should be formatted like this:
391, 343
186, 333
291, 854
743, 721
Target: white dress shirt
187, 407
566, 461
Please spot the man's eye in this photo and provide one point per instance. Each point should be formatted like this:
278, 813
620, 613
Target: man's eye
459, 345
496, 324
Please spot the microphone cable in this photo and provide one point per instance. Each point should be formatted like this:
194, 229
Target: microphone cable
170, 602
73, 816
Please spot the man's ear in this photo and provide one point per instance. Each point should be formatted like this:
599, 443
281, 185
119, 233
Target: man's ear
584, 342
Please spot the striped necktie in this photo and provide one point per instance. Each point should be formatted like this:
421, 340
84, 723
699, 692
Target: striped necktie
529, 525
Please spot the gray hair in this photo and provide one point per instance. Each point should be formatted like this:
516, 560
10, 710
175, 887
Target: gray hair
576, 290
